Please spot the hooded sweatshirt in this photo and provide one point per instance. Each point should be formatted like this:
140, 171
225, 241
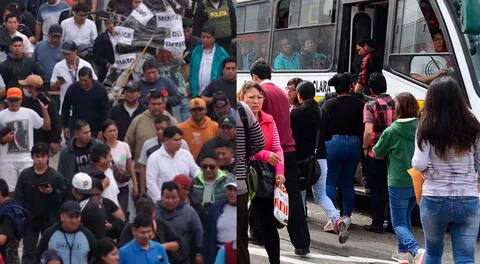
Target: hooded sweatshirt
398, 143
186, 224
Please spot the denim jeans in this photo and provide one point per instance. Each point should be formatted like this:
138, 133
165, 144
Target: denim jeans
402, 202
343, 156
184, 110
320, 192
462, 215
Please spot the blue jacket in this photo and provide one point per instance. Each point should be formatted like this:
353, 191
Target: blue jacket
16, 213
218, 57
132, 253
209, 250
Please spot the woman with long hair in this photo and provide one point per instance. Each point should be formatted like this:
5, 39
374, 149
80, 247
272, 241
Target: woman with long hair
310, 123
344, 149
105, 252
122, 160
253, 95
397, 142
447, 150
291, 90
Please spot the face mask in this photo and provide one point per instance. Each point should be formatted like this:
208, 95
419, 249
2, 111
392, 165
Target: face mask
26, 93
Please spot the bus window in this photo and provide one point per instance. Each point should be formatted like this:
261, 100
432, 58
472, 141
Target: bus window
241, 19
314, 12
418, 31
251, 48
256, 17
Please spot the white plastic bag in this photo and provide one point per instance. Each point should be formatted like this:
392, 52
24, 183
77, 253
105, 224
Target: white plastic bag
280, 209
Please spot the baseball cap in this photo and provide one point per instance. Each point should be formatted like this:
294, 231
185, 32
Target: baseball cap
131, 87
14, 93
197, 103
230, 184
220, 99
226, 121
70, 207
32, 80
183, 181
55, 30
83, 183
68, 47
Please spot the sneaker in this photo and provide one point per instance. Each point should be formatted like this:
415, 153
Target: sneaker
329, 227
419, 257
341, 227
404, 258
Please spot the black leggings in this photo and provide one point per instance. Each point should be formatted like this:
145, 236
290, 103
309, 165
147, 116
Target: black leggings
262, 219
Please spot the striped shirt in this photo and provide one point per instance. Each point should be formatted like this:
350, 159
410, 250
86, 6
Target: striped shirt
255, 142
454, 176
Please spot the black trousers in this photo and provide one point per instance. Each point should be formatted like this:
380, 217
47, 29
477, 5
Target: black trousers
377, 174
297, 223
261, 212
242, 229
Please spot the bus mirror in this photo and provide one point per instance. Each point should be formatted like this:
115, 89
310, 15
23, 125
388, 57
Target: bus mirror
470, 15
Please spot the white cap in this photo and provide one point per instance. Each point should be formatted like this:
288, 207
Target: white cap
83, 183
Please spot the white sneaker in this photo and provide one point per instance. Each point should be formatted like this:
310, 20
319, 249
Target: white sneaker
404, 258
329, 227
419, 257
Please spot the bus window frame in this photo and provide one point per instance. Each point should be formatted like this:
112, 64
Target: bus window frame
446, 37
297, 28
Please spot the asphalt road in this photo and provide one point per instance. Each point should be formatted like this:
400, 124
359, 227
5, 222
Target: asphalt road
362, 247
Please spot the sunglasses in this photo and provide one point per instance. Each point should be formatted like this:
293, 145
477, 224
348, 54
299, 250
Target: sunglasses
208, 166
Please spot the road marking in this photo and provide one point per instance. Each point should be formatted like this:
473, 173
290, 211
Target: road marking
283, 257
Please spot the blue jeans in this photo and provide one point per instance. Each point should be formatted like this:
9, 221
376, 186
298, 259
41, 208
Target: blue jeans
462, 215
184, 110
343, 156
402, 202
320, 192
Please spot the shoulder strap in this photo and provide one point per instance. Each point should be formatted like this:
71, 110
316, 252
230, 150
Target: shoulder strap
244, 118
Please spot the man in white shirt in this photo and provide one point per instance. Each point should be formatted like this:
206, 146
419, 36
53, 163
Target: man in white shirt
65, 72
11, 23
167, 162
15, 156
78, 28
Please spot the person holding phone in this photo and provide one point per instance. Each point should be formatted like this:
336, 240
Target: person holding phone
40, 189
33, 96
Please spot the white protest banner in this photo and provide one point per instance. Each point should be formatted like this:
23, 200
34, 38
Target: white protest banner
166, 19
142, 14
124, 35
123, 61
169, 19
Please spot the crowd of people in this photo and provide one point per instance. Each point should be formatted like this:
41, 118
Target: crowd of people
148, 178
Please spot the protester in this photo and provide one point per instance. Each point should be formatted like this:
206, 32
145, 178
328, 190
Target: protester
104, 49
78, 28
199, 127
124, 113
86, 99
219, 229
48, 15
226, 158
398, 143
40, 189
11, 24
446, 147
12, 225
48, 52
378, 114
344, 149
226, 131
33, 96
276, 104
180, 162
221, 106
183, 220
105, 252
184, 185
76, 155
68, 237
226, 84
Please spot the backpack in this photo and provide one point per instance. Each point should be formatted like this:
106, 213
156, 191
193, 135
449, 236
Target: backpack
13, 210
381, 118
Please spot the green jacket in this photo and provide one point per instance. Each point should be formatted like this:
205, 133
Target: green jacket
197, 192
398, 143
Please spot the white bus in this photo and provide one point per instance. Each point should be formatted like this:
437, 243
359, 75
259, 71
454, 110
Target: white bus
401, 31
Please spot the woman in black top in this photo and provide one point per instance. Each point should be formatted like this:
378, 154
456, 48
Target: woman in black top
344, 149
308, 119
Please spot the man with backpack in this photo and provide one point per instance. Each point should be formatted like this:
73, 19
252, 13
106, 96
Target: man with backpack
378, 114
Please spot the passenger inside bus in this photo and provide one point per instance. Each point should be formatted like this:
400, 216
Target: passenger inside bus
310, 58
428, 68
247, 55
287, 59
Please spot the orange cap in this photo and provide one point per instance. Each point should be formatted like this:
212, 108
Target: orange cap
197, 103
14, 92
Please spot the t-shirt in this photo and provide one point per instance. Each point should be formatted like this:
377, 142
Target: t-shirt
112, 190
227, 224
94, 216
48, 57
120, 154
49, 14
82, 156
22, 123
207, 195
7, 228
427, 65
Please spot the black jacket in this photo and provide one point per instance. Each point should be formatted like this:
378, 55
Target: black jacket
41, 135
103, 54
43, 208
305, 119
120, 115
13, 70
91, 106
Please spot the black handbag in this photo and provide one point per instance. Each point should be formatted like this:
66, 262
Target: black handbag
120, 175
308, 170
265, 179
